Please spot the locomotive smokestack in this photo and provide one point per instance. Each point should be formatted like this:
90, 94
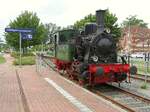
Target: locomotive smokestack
100, 20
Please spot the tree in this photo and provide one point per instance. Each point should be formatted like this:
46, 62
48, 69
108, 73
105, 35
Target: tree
26, 20
133, 21
110, 22
51, 28
87, 19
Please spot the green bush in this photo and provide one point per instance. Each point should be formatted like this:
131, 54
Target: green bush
2, 59
17, 54
28, 60
144, 86
28, 54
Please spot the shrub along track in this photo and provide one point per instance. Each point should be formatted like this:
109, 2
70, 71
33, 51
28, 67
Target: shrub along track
123, 98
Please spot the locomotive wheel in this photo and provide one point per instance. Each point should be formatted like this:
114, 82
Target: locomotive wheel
74, 66
123, 76
68, 71
72, 71
84, 75
83, 67
120, 77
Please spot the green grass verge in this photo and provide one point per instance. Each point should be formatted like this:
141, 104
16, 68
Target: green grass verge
2, 59
144, 86
26, 60
17, 54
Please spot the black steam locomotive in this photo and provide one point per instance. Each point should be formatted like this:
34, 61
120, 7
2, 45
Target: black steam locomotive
96, 44
91, 56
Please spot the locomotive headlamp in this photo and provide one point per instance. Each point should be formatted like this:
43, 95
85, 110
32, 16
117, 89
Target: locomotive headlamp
95, 58
107, 30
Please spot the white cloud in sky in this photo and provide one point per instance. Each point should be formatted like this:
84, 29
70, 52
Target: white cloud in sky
66, 12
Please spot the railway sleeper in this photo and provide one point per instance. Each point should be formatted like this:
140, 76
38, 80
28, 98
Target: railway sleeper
136, 105
143, 109
124, 99
118, 96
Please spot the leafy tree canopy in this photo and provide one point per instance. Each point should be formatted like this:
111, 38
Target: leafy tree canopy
133, 20
51, 28
26, 20
110, 22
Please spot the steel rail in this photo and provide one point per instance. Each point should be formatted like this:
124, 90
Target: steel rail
122, 105
132, 94
112, 100
142, 78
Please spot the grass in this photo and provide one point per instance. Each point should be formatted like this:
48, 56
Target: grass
144, 86
26, 60
17, 54
2, 59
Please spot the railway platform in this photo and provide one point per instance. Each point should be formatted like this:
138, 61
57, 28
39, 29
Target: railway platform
25, 90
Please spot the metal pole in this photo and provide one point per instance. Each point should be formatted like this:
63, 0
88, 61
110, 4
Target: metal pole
20, 51
42, 47
129, 45
146, 71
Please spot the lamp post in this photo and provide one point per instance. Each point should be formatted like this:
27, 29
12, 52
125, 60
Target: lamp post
129, 43
148, 43
20, 49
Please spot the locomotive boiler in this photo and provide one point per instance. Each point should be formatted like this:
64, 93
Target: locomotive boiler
90, 56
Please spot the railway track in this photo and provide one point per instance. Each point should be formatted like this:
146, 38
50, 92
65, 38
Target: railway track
141, 77
123, 98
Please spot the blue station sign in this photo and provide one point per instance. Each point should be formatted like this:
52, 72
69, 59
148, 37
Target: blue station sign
26, 36
20, 30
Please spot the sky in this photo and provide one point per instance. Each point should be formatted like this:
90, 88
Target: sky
66, 12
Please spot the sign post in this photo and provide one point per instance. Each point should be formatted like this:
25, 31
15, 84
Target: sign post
147, 58
20, 31
20, 50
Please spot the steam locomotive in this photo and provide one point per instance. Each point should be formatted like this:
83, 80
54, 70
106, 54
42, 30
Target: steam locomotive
90, 56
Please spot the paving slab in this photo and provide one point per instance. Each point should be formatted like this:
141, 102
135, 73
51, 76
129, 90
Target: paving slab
10, 98
40, 96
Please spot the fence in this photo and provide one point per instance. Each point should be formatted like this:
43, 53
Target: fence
43, 64
142, 65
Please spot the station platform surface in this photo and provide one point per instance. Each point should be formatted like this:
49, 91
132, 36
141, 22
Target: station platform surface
25, 90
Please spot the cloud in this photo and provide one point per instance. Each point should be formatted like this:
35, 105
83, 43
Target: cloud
10, 9
66, 12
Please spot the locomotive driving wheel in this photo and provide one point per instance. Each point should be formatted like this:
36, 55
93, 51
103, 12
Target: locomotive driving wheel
71, 71
68, 71
74, 74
